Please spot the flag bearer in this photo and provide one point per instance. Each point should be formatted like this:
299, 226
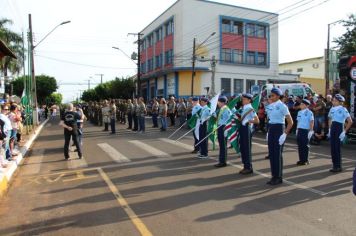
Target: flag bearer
195, 111
223, 116
204, 116
305, 131
338, 115
248, 118
277, 113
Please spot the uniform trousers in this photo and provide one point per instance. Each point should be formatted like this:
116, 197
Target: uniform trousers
245, 146
275, 150
335, 143
303, 144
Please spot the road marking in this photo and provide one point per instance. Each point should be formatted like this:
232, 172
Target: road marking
149, 149
181, 145
80, 176
113, 153
260, 145
123, 203
34, 162
74, 162
49, 180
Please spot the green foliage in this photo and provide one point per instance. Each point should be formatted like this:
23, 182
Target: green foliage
55, 98
347, 42
119, 88
18, 85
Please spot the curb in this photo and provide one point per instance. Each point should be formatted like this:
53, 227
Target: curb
6, 174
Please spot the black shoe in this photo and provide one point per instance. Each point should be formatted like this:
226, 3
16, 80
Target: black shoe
195, 151
219, 165
128, 128
246, 171
112, 133
275, 181
66, 158
162, 130
267, 157
134, 129
80, 157
303, 163
335, 170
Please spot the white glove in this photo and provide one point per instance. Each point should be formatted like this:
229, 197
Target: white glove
267, 137
296, 132
244, 122
328, 135
310, 134
342, 136
282, 139
225, 133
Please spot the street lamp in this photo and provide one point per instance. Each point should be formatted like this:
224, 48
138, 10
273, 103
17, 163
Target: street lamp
32, 47
117, 48
194, 59
327, 66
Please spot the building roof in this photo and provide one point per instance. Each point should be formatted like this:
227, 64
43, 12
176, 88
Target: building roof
307, 59
5, 51
209, 2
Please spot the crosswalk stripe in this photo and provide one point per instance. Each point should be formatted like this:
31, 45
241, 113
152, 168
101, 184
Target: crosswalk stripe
176, 143
113, 153
74, 162
149, 149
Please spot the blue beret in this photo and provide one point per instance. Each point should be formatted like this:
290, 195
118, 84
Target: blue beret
204, 99
306, 102
340, 98
195, 99
222, 99
247, 95
277, 91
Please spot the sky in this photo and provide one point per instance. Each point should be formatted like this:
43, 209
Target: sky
77, 52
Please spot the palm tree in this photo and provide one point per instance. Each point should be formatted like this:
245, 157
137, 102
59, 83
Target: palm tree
14, 42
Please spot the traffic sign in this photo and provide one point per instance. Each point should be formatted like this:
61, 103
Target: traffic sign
353, 73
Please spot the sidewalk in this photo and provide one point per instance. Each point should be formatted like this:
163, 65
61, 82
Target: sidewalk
7, 173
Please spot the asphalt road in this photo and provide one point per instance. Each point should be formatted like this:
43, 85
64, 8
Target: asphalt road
146, 184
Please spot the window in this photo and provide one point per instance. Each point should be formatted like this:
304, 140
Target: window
237, 56
150, 40
249, 84
226, 26
226, 86
300, 70
237, 28
287, 71
261, 31
250, 28
168, 57
159, 34
169, 28
261, 59
226, 55
238, 86
159, 61
143, 68
261, 83
251, 58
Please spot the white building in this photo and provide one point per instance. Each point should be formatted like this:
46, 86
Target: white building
245, 45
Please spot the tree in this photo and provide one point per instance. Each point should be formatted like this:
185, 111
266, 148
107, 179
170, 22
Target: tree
55, 98
346, 43
89, 95
45, 85
14, 42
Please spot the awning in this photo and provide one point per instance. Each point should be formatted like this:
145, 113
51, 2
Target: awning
5, 51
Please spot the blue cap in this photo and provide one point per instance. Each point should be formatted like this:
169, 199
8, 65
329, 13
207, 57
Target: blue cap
195, 99
277, 91
340, 98
204, 99
247, 95
306, 102
222, 99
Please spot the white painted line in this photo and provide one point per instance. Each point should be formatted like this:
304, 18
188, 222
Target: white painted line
179, 144
34, 162
149, 149
74, 162
113, 153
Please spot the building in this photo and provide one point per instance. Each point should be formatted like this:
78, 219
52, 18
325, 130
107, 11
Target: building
312, 71
243, 41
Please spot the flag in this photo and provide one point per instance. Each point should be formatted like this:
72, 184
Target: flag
24, 99
214, 103
232, 132
256, 103
233, 102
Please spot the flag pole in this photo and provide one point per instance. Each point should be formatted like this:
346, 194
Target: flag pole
208, 135
177, 129
185, 134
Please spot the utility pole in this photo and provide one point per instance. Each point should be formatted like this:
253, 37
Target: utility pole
138, 61
88, 83
213, 70
193, 68
101, 77
33, 89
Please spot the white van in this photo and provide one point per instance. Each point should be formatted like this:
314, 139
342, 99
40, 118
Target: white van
295, 89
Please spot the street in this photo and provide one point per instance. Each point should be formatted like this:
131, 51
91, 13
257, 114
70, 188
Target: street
147, 184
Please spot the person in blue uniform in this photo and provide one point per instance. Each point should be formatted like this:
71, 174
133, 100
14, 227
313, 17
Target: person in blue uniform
204, 116
223, 116
248, 118
277, 113
338, 116
305, 127
195, 112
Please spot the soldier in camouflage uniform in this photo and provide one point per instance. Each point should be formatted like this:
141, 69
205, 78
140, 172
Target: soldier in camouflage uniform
172, 110
124, 111
181, 111
141, 113
129, 113
155, 107
134, 115
189, 109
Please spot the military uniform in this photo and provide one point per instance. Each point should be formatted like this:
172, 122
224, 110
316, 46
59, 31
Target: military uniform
196, 112
181, 111
204, 116
171, 111
129, 114
134, 116
141, 112
155, 107
106, 117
